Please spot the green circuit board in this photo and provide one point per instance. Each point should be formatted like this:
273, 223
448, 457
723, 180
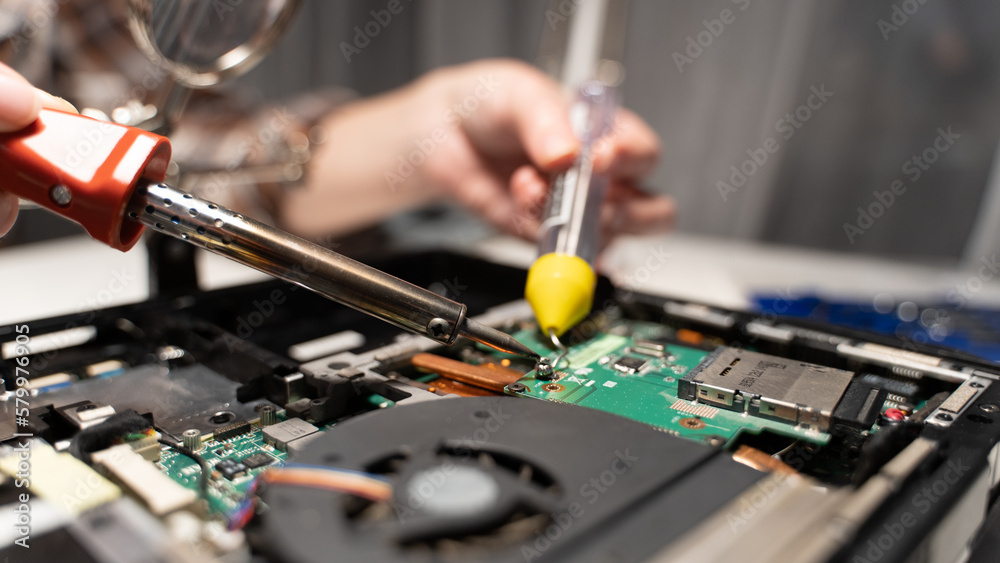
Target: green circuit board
225, 495
649, 394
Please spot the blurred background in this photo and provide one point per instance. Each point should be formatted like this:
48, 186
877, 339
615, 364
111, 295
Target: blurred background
847, 149
897, 73
895, 79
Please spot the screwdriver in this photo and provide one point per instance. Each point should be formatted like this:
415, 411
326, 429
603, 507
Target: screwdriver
560, 285
108, 178
586, 57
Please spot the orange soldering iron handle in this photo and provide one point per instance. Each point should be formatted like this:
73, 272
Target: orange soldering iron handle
84, 170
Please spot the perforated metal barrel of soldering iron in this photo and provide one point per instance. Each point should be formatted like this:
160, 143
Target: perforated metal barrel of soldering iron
275, 252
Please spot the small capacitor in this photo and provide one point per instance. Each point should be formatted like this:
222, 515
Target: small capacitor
192, 439
268, 415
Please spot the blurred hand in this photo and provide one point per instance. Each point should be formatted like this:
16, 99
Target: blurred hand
489, 134
19, 105
515, 135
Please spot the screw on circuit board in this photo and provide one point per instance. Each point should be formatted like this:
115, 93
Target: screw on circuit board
944, 416
543, 369
268, 415
989, 407
976, 385
517, 388
192, 439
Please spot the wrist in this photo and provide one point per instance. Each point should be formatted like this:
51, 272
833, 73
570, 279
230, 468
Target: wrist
362, 172
423, 126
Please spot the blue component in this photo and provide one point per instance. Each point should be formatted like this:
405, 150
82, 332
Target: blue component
48, 388
975, 331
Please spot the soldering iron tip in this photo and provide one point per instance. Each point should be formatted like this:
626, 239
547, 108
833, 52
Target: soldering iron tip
495, 339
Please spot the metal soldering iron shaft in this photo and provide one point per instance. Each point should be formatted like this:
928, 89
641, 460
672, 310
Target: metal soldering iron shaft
311, 266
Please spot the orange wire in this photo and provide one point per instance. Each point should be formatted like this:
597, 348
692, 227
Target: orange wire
370, 493
359, 486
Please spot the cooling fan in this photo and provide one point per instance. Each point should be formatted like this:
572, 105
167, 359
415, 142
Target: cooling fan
458, 497
475, 479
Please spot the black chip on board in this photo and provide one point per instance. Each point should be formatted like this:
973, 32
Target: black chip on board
256, 460
630, 364
230, 468
860, 405
232, 430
